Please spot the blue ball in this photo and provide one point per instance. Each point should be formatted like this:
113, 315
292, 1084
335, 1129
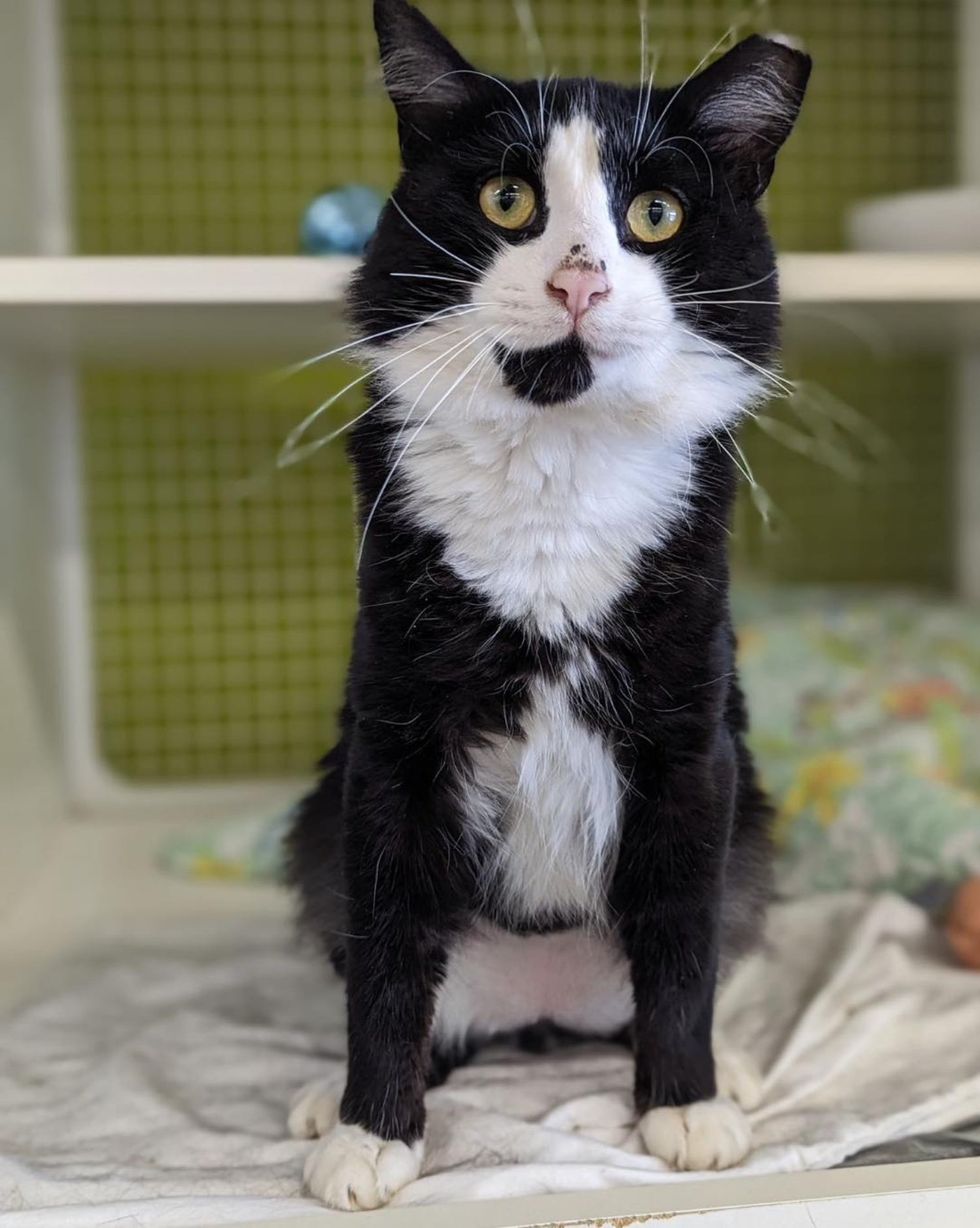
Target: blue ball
341, 222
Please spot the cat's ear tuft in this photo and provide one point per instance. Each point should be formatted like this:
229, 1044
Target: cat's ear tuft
745, 104
424, 73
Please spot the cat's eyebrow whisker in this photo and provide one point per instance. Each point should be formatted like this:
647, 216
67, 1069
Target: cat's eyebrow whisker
642, 9
507, 149
428, 238
670, 143
411, 439
658, 127
292, 453
475, 72
532, 37
296, 368
645, 97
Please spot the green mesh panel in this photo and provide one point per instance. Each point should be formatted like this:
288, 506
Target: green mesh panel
222, 606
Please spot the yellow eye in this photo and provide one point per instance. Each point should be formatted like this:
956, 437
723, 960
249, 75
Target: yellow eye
655, 217
509, 202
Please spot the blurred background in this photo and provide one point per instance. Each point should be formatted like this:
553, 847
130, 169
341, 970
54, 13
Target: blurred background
181, 606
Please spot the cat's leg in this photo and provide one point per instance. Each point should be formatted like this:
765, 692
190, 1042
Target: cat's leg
398, 904
667, 890
315, 1108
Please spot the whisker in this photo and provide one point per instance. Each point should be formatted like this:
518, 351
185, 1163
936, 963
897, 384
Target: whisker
739, 21
407, 445
460, 281
669, 144
296, 368
485, 367
658, 127
726, 302
456, 349
814, 396
428, 238
532, 39
475, 72
747, 285
642, 9
290, 454
777, 381
819, 450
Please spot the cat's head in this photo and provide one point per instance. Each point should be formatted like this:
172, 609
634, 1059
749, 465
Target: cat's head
577, 246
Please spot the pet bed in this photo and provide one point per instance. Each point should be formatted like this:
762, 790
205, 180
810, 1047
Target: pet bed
153, 1088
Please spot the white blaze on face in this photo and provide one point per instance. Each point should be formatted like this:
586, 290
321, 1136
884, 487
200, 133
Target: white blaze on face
581, 230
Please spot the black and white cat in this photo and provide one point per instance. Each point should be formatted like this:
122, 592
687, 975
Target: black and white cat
541, 809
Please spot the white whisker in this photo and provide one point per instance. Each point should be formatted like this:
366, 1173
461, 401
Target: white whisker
777, 381
411, 439
746, 285
726, 302
295, 369
532, 38
291, 454
474, 72
428, 238
669, 144
456, 349
460, 281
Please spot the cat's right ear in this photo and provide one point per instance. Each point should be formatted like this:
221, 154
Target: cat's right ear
426, 77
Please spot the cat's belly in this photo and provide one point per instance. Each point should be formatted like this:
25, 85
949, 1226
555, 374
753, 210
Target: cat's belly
498, 981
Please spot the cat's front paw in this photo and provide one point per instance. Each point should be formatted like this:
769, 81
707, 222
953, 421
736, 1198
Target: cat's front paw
353, 1170
705, 1135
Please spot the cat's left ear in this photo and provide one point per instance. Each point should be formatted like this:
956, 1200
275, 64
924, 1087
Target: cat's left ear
425, 75
744, 105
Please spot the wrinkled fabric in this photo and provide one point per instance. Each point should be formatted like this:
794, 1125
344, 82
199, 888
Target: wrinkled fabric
155, 1088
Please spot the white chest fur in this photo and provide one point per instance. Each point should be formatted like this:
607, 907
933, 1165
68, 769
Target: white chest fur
546, 515
549, 801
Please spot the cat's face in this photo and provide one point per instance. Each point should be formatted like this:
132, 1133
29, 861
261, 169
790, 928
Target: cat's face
575, 246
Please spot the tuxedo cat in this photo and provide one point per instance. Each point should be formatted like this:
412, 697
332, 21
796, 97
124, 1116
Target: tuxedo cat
541, 810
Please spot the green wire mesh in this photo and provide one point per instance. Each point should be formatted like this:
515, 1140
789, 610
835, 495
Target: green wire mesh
222, 591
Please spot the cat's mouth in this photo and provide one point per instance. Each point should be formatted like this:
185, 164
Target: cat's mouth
549, 375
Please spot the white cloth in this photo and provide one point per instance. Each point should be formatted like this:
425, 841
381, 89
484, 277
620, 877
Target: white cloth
157, 1088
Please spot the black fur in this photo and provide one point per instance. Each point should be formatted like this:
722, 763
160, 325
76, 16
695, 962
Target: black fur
378, 855
549, 375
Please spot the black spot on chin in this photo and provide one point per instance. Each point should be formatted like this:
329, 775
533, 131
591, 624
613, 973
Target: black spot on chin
550, 375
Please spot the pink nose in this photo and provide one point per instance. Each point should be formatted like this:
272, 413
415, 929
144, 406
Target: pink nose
578, 289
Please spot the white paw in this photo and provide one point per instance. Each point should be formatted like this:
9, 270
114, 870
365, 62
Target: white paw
704, 1135
352, 1170
315, 1109
738, 1078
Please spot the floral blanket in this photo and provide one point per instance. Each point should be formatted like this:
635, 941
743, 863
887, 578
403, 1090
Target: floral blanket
866, 724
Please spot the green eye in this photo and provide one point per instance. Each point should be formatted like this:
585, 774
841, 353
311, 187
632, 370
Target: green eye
655, 217
508, 202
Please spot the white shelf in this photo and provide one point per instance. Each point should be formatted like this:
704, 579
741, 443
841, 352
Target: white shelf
173, 310
187, 310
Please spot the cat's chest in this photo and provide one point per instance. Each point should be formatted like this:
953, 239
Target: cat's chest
546, 520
